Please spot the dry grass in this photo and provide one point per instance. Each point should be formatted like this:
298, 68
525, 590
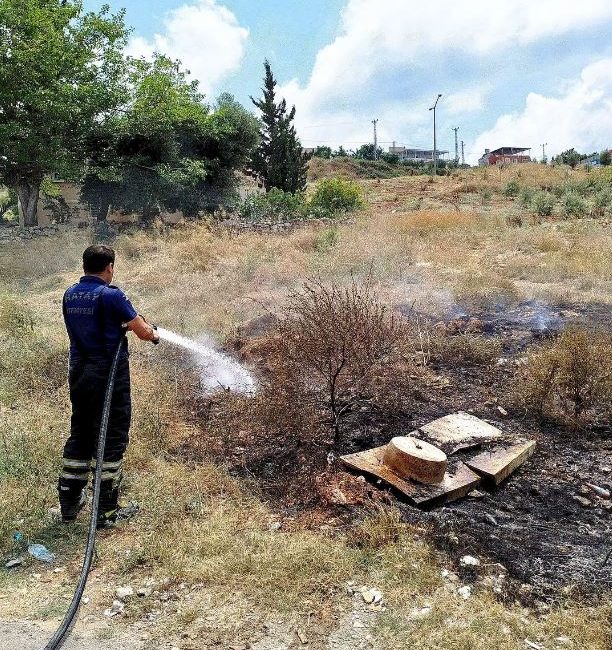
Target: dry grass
201, 526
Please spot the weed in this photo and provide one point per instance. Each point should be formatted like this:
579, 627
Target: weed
512, 188
602, 202
573, 205
526, 196
543, 203
326, 239
569, 379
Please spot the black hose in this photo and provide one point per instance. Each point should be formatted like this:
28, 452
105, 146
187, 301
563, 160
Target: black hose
62, 632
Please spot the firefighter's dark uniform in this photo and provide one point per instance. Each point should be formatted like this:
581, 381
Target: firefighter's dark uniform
94, 314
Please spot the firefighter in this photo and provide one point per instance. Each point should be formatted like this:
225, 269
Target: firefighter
97, 315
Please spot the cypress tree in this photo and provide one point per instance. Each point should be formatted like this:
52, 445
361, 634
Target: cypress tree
279, 160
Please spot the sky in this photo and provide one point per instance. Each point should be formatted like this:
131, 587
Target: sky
518, 73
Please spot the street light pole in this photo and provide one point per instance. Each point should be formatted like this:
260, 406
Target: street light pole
435, 150
544, 152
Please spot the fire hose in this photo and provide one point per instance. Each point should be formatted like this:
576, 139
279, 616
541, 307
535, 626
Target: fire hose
65, 627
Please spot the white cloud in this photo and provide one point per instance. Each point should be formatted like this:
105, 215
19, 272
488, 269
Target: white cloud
382, 36
465, 101
204, 35
580, 116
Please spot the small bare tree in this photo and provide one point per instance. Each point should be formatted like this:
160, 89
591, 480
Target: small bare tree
335, 338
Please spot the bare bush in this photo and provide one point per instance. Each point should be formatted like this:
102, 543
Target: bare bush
570, 379
334, 339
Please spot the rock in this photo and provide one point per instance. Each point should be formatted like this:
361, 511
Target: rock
11, 564
502, 411
116, 608
358, 624
490, 519
302, 637
469, 560
465, 592
123, 593
583, 501
477, 494
533, 645
584, 490
144, 592
85, 600
599, 491
606, 470
421, 612
368, 596
274, 526
563, 640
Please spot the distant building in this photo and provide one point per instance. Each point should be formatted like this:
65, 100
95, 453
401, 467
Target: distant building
512, 155
416, 155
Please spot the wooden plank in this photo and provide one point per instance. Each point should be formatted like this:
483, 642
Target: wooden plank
459, 431
458, 480
496, 465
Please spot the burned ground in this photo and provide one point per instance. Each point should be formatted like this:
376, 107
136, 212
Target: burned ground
549, 544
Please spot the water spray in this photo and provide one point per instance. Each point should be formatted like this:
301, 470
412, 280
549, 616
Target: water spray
218, 370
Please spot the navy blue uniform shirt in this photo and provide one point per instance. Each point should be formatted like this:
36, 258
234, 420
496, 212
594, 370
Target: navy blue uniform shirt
94, 313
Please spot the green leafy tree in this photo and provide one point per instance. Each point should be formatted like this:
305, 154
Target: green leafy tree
605, 158
167, 150
279, 159
569, 157
368, 152
60, 70
323, 152
341, 152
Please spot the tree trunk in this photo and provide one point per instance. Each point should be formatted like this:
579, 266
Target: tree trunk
28, 191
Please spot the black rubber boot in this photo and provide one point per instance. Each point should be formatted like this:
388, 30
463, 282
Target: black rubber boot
72, 500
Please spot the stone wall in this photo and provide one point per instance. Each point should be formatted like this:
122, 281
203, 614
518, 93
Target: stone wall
19, 233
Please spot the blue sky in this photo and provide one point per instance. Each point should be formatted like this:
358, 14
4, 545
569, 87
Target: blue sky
512, 72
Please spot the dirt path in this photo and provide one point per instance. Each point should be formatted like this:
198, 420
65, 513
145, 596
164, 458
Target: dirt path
24, 635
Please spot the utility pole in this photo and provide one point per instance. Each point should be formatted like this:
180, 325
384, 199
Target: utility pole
462, 152
544, 152
455, 129
375, 140
435, 150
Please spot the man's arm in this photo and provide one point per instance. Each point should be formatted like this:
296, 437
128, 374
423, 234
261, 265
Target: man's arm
142, 329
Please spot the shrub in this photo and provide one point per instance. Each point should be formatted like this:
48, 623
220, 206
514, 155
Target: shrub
543, 203
326, 239
275, 206
526, 196
334, 195
569, 379
573, 205
334, 339
602, 201
512, 188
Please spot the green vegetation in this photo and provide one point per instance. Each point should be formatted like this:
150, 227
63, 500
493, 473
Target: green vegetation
334, 195
167, 150
331, 197
278, 160
60, 70
543, 203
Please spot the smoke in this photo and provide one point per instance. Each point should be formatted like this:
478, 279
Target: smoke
217, 370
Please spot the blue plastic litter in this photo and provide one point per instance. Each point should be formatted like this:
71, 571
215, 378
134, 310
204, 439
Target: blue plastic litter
41, 553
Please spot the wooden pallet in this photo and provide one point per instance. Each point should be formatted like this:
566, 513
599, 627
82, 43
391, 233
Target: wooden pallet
496, 465
458, 479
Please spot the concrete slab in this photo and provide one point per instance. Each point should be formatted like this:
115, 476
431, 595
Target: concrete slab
459, 431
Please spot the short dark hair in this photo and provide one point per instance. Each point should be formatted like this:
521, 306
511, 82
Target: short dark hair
97, 258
